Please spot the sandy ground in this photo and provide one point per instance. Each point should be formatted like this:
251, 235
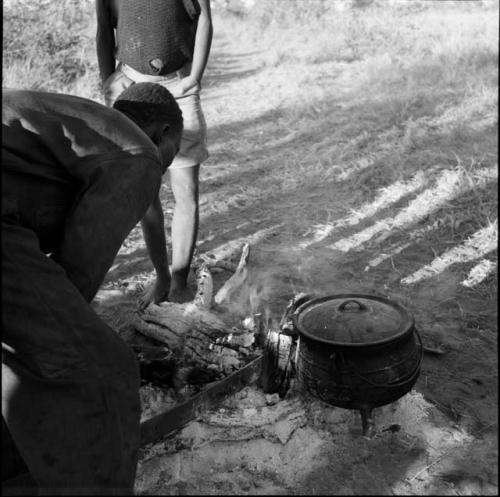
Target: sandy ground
441, 438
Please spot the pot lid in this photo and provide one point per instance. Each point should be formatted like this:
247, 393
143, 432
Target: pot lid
352, 319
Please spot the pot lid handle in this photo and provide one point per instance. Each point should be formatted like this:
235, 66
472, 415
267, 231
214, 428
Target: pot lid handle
361, 306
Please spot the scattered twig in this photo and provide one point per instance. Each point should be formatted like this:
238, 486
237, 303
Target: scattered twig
236, 281
434, 350
394, 267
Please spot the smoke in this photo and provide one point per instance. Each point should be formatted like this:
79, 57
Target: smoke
253, 297
276, 277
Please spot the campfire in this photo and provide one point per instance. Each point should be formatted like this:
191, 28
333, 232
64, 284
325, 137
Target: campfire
196, 345
354, 351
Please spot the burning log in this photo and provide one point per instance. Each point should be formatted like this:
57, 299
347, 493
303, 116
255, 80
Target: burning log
172, 323
205, 289
194, 332
237, 279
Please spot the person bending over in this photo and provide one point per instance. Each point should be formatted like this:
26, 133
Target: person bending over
76, 178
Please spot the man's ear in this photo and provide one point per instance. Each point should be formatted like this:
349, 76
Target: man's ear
159, 132
164, 129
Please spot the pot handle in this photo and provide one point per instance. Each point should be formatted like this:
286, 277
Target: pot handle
286, 322
402, 382
361, 307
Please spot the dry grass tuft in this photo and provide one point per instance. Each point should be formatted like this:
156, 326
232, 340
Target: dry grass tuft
50, 46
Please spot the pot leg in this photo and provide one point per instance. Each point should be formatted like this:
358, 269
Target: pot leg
367, 422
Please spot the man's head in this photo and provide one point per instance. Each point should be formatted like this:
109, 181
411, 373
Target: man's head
153, 108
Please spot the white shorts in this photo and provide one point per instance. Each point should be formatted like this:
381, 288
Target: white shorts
193, 148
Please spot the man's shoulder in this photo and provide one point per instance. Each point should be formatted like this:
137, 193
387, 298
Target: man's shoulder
42, 99
90, 126
55, 106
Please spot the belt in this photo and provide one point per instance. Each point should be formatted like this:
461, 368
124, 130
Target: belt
139, 77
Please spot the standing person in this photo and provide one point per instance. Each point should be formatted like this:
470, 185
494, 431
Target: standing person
166, 42
76, 178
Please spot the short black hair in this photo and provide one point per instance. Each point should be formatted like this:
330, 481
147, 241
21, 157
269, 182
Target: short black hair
146, 103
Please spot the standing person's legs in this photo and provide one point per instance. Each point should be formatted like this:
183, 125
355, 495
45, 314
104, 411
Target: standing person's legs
184, 173
69, 383
184, 180
185, 221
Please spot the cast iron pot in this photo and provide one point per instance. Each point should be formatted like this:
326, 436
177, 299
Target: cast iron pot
356, 351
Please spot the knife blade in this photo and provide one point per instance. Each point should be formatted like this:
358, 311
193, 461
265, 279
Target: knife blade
167, 422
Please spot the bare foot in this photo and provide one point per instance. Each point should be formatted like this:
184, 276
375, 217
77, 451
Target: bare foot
180, 295
155, 293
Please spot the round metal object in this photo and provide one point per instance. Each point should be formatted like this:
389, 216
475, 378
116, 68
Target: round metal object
357, 351
355, 320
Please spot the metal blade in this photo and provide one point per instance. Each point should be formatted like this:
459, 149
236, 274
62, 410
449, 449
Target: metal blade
167, 422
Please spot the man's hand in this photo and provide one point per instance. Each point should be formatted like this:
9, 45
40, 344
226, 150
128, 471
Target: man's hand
156, 244
113, 86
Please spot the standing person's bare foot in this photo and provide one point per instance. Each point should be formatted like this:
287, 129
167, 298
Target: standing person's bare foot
155, 293
180, 295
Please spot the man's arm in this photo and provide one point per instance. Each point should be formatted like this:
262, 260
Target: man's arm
202, 44
115, 193
105, 39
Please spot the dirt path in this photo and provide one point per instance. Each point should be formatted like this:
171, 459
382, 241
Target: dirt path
318, 227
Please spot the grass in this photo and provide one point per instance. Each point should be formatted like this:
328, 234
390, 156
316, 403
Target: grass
50, 46
361, 97
367, 98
